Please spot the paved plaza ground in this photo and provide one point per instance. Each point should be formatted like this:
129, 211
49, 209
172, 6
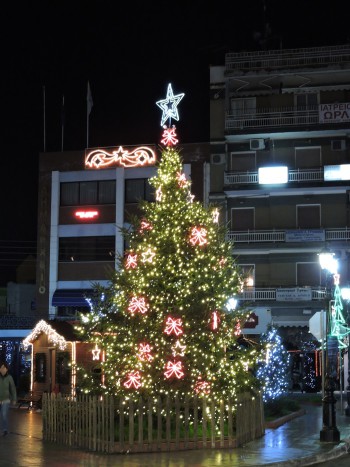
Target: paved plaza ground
294, 443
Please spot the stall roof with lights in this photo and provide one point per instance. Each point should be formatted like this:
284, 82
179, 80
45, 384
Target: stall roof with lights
58, 332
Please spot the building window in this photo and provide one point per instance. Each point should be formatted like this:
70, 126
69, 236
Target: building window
62, 368
242, 219
71, 312
308, 158
306, 101
86, 248
137, 190
308, 274
106, 192
86, 193
243, 161
40, 368
308, 216
245, 107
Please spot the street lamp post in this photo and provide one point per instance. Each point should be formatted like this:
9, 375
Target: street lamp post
329, 432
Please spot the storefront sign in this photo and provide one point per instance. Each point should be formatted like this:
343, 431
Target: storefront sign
339, 112
293, 294
305, 235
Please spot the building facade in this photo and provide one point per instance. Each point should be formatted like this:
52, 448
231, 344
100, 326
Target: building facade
86, 199
280, 169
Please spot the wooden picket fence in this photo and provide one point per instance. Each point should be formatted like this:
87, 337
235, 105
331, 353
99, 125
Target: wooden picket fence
112, 425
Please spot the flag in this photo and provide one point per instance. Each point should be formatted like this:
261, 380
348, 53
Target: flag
89, 100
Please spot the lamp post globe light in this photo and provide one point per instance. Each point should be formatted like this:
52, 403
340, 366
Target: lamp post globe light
329, 432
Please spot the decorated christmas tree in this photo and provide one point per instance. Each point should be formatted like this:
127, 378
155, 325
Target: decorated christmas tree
163, 326
274, 368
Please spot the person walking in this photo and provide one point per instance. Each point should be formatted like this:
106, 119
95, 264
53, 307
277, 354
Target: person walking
8, 393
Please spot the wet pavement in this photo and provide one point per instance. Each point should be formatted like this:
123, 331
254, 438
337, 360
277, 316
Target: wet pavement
294, 443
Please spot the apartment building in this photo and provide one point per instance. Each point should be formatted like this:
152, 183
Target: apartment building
280, 169
85, 200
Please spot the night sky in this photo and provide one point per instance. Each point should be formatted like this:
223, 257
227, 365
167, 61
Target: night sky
129, 54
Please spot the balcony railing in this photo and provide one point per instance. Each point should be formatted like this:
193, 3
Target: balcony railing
274, 236
288, 58
17, 322
271, 294
251, 178
281, 117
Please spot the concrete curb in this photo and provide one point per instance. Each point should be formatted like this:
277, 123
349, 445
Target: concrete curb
282, 420
338, 451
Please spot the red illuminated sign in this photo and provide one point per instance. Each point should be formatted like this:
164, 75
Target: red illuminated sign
86, 214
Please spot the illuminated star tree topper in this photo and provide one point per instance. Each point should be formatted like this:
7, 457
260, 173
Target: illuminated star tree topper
169, 106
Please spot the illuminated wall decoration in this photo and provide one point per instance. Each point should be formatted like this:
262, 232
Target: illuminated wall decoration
139, 157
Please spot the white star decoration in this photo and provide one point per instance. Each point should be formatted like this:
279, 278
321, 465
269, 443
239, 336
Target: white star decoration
96, 353
169, 106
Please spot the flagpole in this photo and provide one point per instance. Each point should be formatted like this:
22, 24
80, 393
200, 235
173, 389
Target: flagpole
89, 104
87, 120
62, 122
44, 117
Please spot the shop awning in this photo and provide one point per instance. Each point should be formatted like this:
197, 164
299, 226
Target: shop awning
71, 297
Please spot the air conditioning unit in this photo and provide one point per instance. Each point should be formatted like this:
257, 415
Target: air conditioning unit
257, 144
217, 159
338, 144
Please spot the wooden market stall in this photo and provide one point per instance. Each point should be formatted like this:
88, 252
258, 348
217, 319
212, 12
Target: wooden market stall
55, 352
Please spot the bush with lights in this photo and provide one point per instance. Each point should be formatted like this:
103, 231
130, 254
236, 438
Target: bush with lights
274, 368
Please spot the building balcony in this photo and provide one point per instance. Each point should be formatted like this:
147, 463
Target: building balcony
308, 118
282, 294
238, 62
280, 236
283, 117
17, 322
294, 176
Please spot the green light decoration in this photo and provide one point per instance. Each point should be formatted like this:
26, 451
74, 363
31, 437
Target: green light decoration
338, 327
